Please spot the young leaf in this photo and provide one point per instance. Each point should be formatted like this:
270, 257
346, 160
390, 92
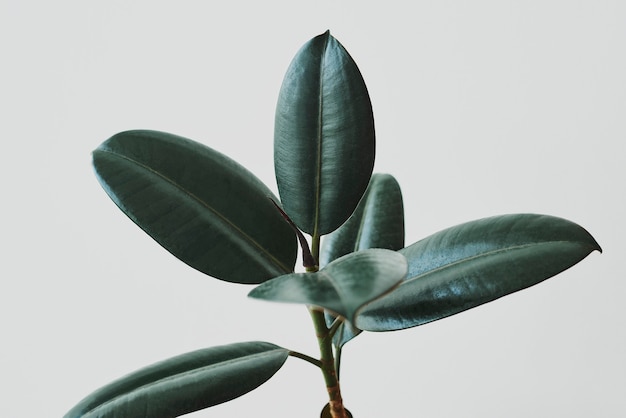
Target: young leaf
343, 286
200, 205
377, 222
474, 263
324, 142
185, 383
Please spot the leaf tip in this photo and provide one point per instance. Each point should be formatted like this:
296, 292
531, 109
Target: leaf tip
596, 246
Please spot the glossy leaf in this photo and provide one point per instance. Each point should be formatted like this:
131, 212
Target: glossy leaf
474, 263
377, 222
200, 205
324, 141
343, 286
185, 383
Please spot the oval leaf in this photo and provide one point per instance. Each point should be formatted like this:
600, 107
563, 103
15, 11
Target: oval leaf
474, 263
343, 286
377, 222
185, 383
200, 205
324, 142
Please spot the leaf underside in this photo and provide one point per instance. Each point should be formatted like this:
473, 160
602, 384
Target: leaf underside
324, 142
474, 263
185, 383
200, 205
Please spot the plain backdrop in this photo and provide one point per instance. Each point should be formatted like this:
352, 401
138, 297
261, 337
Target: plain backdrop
481, 107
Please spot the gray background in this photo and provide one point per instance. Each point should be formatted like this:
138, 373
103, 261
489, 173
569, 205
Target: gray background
482, 108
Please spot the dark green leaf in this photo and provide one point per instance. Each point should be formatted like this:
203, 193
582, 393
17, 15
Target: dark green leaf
377, 222
474, 263
185, 383
343, 286
200, 205
324, 142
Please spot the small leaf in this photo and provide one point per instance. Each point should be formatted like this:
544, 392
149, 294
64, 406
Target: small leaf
343, 286
474, 263
377, 222
200, 205
185, 383
324, 141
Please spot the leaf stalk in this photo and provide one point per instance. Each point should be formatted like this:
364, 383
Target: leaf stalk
304, 357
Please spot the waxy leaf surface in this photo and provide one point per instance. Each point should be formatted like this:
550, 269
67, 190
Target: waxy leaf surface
185, 383
377, 222
474, 263
324, 143
343, 286
200, 205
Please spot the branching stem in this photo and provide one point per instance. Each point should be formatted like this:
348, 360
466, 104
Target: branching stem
334, 327
325, 342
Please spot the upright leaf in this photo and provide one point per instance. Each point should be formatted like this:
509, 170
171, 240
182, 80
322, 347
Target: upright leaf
474, 263
185, 383
343, 286
377, 222
324, 142
200, 205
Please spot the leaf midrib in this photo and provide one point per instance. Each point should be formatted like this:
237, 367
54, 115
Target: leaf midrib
184, 374
486, 254
320, 122
192, 196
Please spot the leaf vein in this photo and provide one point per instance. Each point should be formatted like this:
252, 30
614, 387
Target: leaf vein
220, 216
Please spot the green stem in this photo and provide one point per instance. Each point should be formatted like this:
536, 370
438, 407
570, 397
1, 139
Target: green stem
315, 250
304, 357
325, 342
338, 361
334, 327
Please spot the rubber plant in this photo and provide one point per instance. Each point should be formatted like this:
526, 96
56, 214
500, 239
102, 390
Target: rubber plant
217, 217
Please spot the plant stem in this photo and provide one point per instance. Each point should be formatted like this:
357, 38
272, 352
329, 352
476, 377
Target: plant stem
328, 364
315, 249
334, 327
338, 361
325, 342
